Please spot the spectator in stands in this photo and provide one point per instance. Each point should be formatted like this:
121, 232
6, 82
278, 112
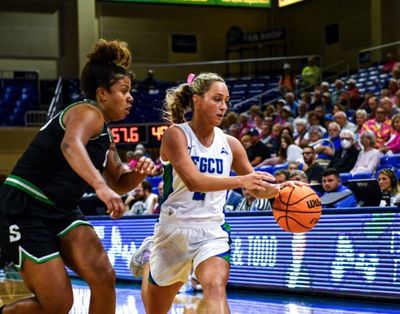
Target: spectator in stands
292, 103
327, 148
390, 109
250, 203
341, 119
160, 190
234, 130
365, 104
361, 118
266, 129
311, 74
300, 132
373, 104
339, 89
393, 87
233, 199
353, 94
369, 157
143, 193
285, 115
392, 146
301, 112
150, 82
128, 156
314, 120
316, 100
256, 151
389, 185
293, 166
345, 157
312, 169
327, 102
287, 81
244, 122
390, 62
281, 175
331, 183
287, 152
306, 98
397, 99
258, 119
379, 126
273, 141
298, 175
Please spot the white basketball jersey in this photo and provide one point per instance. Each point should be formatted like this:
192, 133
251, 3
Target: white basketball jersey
216, 160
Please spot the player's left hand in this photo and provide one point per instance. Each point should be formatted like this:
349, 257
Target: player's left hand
145, 166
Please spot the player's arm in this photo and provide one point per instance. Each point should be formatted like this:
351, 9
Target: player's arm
121, 180
242, 166
83, 122
174, 149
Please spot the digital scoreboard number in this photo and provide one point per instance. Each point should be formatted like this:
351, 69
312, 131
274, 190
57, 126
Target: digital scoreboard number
149, 134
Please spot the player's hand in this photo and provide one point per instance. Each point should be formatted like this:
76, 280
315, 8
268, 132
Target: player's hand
291, 184
115, 206
258, 181
145, 166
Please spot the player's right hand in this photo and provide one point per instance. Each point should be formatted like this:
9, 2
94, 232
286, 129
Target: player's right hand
114, 204
258, 181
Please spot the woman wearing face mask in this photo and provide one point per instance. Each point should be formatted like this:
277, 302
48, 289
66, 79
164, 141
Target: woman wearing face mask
369, 157
345, 158
389, 185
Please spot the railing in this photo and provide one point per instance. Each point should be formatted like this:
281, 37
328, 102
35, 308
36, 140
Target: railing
366, 56
56, 102
35, 117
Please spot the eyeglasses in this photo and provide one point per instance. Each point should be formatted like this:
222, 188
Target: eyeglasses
307, 153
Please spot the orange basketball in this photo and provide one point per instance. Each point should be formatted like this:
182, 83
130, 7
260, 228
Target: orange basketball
297, 209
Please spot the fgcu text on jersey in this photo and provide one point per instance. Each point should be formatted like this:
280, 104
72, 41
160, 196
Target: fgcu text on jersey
209, 165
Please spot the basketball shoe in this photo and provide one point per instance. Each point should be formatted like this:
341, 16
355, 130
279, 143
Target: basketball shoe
141, 257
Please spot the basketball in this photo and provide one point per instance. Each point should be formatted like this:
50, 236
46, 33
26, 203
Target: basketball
297, 209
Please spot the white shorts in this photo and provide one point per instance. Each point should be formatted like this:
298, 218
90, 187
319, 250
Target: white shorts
180, 246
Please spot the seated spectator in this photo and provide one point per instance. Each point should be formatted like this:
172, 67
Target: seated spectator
273, 140
137, 154
353, 93
298, 175
392, 146
390, 62
389, 185
129, 156
281, 175
255, 149
292, 103
250, 203
314, 121
361, 118
233, 199
160, 189
345, 158
287, 152
389, 106
300, 132
369, 157
331, 183
379, 126
234, 130
341, 119
293, 166
144, 200
339, 89
327, 148
312, 169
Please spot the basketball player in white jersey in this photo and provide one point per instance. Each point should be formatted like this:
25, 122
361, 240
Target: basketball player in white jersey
197, 158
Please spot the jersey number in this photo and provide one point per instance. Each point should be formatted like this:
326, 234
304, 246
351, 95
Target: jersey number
199, 196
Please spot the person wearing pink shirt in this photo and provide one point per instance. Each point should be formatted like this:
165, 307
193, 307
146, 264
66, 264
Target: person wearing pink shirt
380, 126
393, 144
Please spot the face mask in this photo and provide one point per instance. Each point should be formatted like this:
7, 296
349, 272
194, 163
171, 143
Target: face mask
345, 144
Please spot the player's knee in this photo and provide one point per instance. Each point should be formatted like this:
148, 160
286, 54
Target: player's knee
106, 277
215, 286
60, 304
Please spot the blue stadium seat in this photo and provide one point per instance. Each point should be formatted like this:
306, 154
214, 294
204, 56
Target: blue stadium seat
362, 175
392, 161
280, 167
154, 181
345, 176
269, 169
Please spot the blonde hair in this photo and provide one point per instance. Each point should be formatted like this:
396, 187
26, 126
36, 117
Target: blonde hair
179, 100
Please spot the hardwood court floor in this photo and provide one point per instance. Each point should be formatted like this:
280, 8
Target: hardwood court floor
258, 302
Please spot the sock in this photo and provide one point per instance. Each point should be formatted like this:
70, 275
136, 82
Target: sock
145, 258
